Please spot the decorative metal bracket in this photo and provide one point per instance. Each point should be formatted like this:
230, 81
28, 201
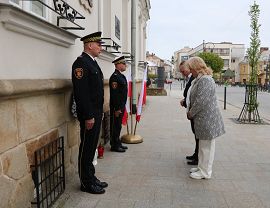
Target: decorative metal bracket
65, 11
142, 63
128, 56
110, 43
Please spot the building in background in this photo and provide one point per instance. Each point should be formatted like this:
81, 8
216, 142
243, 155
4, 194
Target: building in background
168, 68
39, 43
179, 56
232, 54
154, 62
262, 68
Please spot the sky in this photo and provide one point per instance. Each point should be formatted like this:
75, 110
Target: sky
175, 24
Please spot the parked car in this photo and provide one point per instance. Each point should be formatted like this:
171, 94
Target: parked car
168, 81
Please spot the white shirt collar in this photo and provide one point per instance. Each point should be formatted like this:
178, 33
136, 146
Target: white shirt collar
90, 56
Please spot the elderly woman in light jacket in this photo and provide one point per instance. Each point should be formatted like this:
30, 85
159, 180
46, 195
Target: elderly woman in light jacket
203, 109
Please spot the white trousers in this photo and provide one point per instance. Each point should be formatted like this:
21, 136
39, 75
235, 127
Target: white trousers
206, 157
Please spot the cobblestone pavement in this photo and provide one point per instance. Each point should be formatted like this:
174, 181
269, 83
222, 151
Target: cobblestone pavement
154, 174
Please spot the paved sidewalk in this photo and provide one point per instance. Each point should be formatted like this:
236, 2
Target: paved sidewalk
154, 174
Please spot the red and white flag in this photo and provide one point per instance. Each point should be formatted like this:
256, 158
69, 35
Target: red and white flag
142, 98
129, 94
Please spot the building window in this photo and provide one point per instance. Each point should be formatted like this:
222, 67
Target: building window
184, 58
15, 1
34, 7
117, 27
226, 62
224, 51
38, 8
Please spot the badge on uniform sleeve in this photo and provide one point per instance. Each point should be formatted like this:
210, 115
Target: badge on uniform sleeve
114, 85
78, 73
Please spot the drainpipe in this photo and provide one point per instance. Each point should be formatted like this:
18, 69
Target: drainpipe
133, 53
132, 138
99, 16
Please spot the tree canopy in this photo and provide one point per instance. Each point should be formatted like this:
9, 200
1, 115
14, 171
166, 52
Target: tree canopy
213, 61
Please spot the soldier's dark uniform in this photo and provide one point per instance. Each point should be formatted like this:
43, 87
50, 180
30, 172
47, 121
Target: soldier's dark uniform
87, 79
118, 98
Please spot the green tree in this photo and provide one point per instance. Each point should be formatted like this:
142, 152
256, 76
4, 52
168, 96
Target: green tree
250, 108
213, 61
254, 50
254, 54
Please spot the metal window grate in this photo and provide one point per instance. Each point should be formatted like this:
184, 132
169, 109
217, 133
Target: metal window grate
64, 11
49, 173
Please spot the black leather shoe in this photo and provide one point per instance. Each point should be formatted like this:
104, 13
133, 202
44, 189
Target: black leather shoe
193, 162
124, 147
117, 149
101, 184
191, 157
92, 189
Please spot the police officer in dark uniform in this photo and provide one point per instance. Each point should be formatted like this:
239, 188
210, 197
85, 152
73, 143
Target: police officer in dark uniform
87, 79
118, 98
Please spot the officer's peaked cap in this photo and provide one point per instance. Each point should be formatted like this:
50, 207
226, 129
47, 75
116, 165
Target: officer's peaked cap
120, 60
93, 37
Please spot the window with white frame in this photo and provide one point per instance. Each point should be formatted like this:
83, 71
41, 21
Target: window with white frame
15, 1
37, 8
226, 62
34, 7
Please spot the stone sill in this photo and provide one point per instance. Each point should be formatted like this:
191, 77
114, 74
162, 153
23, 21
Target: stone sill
20, 88
20, 21
11, 88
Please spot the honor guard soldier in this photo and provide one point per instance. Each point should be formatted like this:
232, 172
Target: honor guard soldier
118, 98
87, 79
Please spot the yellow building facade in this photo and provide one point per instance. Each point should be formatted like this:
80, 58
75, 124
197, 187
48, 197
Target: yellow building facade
245, 71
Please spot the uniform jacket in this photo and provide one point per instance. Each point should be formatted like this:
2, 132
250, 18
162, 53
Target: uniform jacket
87, 79
118, 91
204, 110
186, 90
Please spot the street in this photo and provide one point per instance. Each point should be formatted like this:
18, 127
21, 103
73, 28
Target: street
235, 96
155, 173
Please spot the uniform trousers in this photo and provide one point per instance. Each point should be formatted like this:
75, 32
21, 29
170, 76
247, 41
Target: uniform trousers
88, 145
206, 157
115, 129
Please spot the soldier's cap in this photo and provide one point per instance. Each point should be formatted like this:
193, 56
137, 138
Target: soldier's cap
93, 37
120, 60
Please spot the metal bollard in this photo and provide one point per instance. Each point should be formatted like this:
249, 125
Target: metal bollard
225, 97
